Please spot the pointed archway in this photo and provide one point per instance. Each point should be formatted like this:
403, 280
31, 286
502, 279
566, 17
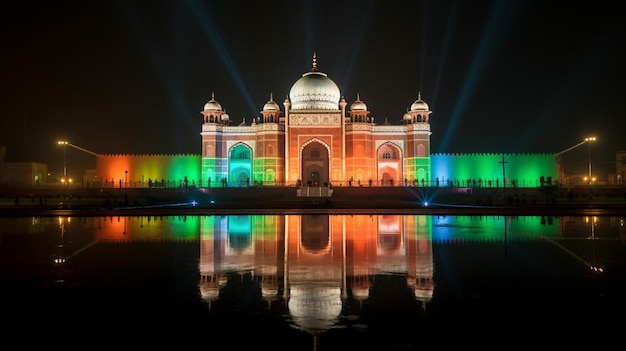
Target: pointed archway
240, 165
389, 160
315, 164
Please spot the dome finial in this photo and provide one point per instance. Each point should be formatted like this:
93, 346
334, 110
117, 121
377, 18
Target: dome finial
358, 97
419, 95
314, 61
271, 96
212, 95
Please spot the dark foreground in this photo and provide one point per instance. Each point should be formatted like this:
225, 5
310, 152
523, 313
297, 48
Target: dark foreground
466, 283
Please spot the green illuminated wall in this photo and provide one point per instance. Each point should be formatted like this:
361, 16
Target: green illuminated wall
485, 170
265, 169
417, 169
457, 170
139, 170
239, 167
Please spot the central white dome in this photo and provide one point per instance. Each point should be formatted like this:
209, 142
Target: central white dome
314, 91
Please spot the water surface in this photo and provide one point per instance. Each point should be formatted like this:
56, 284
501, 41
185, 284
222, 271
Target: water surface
313, 282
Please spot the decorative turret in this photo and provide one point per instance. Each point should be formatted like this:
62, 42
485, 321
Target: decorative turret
271, 111
419, 112
213, 112
358, 111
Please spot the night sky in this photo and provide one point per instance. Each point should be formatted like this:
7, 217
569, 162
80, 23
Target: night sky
132, 76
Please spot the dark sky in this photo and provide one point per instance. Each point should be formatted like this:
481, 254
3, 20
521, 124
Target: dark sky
132, 76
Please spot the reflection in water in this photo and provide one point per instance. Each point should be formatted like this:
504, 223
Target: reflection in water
316, 263
324, 272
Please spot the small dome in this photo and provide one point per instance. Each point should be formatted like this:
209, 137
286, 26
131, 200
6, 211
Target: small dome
358, 104
419, 104
314, 91
212, 105
407, 116
271, 105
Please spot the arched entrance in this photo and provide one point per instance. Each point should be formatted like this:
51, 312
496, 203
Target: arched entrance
240, 165
389, 161
315, 161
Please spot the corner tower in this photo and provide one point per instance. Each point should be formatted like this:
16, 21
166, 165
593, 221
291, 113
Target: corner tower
417, 153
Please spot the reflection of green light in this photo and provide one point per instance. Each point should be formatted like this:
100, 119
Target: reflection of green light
493, 227
186, 227
162, 227
265, 225
419, 227
209, 225
239, 231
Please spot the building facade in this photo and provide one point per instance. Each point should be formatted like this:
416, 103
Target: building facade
319, 139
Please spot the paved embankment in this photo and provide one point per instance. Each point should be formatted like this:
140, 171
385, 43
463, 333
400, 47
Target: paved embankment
399, 200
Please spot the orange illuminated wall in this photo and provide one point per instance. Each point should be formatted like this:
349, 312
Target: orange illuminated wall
143, 170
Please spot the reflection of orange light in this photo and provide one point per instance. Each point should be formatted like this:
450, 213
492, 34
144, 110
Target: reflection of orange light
111, 228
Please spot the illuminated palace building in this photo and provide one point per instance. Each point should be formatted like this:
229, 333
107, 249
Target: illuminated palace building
318, 139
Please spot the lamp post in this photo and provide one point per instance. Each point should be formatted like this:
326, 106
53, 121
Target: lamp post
64, 143
588, 140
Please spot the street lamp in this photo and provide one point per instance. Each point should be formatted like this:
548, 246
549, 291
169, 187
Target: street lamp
64, 143
588, 140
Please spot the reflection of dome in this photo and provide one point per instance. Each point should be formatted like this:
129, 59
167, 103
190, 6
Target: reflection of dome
212, 105
209, 293
424, 294
269, 291
315, 309
210, 287
269, 285
423, 289
419, 104
360, 293
314, 91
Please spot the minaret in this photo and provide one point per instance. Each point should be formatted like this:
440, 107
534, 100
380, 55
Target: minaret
417, 121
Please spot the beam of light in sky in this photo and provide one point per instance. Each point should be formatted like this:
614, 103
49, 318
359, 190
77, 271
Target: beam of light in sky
172, 78
571, 90
205, 18
309, 30
423, 46
493, 32
353, 51
451, 20
184, 113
